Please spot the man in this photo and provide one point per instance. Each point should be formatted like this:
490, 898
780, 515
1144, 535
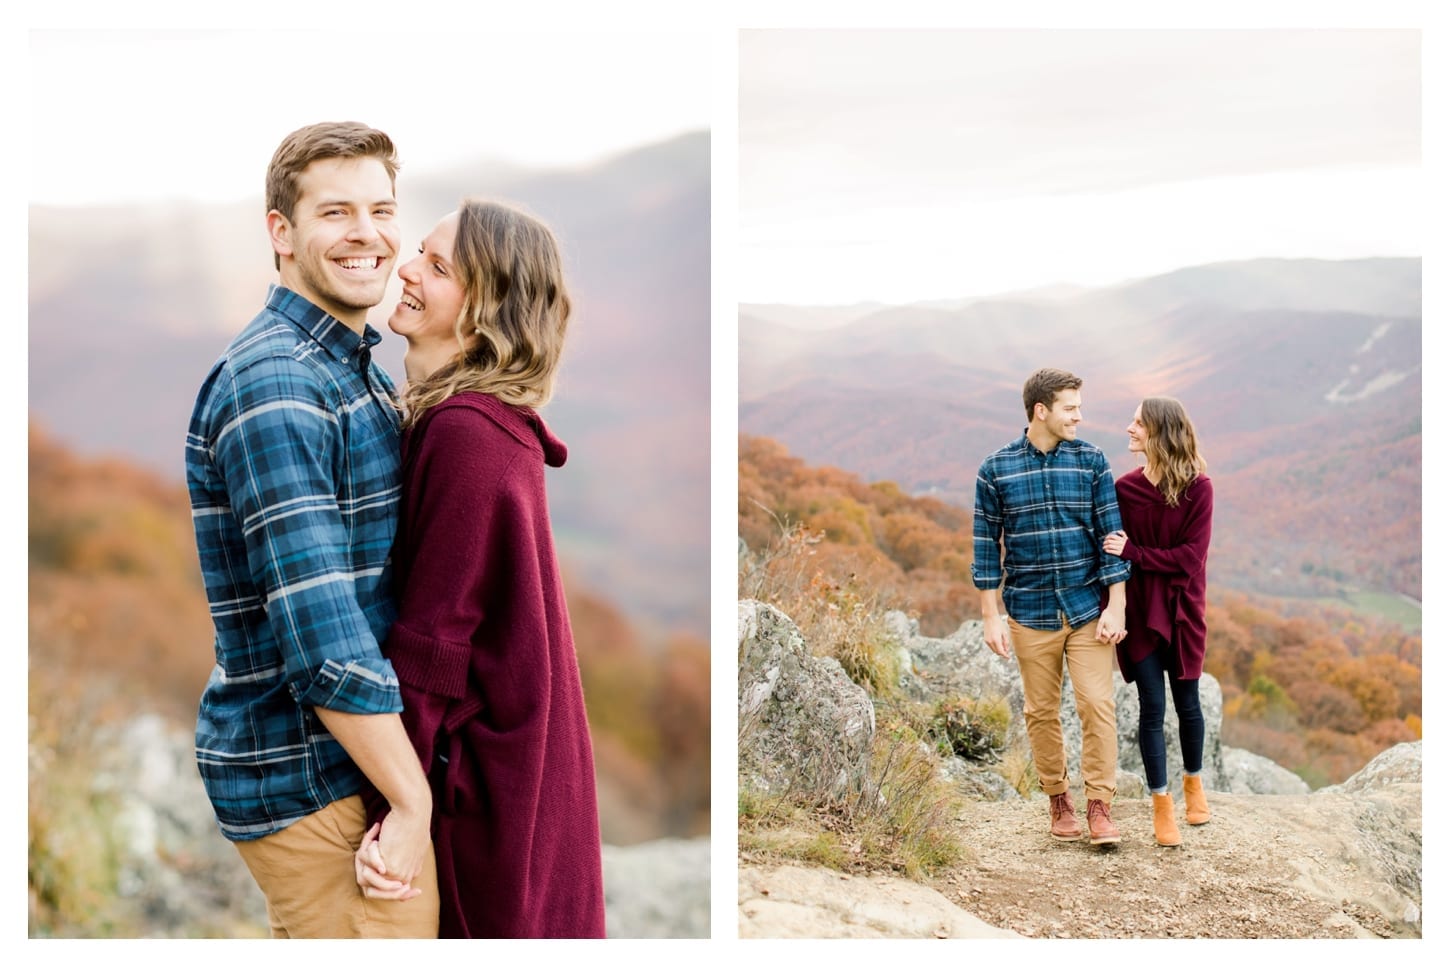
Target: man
1044, 504
292, 466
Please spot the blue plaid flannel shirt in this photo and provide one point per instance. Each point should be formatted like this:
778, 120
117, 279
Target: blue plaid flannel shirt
292, 460
1043, 517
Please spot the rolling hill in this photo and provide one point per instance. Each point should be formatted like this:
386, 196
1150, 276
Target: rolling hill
1302, 376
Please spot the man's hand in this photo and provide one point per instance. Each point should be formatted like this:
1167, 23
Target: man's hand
403, 843
998, 635
380, 747
1110, 625
370, 870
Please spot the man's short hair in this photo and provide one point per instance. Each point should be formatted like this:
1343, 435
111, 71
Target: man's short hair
1043, 387
330, 139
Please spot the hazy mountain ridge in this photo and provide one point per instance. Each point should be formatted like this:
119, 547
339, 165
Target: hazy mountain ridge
115, 361
1310, 416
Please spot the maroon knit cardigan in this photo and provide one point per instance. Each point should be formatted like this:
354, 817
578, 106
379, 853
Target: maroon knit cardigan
1167, 592
490, 680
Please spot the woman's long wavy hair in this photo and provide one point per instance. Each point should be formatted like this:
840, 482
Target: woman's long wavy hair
515, 311
1171, 447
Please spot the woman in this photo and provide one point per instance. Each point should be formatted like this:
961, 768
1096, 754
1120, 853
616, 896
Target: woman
1167, 509
482, 644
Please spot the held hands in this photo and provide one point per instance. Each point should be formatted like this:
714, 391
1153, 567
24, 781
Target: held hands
368, 866
404, 840
997, 634
1115, 542
1110, 625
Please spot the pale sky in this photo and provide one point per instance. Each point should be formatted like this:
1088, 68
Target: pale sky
142, 115
904, 165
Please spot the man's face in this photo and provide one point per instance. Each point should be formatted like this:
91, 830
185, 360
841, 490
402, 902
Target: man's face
1061, 421
338, 250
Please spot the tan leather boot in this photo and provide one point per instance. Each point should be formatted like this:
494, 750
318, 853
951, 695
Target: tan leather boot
1101, 829
1065, 823
1165, 830
1195, 801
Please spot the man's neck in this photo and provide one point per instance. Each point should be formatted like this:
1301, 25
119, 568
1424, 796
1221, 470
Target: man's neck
354, 319
1038, 436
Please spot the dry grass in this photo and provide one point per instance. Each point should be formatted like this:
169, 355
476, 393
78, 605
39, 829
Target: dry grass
899, 814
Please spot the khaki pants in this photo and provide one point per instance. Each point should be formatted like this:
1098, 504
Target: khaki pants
1090, 665
306, 873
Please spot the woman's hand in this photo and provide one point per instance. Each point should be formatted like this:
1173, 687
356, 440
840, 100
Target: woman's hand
371, 871
1115, 542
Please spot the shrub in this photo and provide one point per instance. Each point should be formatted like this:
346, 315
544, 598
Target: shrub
974, 729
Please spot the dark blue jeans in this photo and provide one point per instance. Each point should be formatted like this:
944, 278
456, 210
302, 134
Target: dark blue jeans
1149, 675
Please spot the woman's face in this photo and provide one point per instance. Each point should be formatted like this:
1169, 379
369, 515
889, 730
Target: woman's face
1137, 432
427, 314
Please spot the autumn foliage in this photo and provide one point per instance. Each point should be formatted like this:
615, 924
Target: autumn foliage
1317, 689
914, 553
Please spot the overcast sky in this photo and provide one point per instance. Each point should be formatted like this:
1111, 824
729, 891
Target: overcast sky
127, 115
904, 165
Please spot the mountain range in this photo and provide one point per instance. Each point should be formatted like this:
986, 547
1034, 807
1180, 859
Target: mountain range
130, 305
1302, 376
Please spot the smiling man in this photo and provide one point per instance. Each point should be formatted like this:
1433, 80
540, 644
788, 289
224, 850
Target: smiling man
1044, 503
292, 465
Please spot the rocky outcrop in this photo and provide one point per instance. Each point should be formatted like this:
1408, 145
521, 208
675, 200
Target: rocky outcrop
1397, 764
795, 901
803, 724
1275, 860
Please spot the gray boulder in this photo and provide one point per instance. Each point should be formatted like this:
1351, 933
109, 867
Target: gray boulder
1397, 764
1247, 772
803, 724
658, 890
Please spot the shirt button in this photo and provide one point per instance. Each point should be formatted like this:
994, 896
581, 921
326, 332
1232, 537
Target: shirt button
346, 359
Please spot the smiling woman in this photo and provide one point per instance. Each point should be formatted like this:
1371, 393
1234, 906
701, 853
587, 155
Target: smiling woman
430, 313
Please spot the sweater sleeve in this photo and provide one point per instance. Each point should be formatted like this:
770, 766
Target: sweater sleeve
1190, 554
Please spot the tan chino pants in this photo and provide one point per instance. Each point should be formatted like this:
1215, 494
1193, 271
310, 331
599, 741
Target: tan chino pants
306, 873
1090, 664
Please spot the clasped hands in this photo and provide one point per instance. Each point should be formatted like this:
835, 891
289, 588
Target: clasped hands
407, 842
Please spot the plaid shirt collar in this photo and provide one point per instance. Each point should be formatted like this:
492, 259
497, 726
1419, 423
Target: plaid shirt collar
339, 341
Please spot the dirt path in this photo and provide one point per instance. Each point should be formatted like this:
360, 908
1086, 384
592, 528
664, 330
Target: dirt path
1264, 867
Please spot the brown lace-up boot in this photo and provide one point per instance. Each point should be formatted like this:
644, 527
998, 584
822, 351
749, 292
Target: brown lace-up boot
1165, 830
1065, 824
1101, 830
1195, 801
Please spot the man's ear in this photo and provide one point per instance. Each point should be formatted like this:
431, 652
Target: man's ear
1039, 412
279, 229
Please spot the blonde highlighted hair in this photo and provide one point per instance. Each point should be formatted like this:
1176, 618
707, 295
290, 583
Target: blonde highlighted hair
515, 311
1171, 446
